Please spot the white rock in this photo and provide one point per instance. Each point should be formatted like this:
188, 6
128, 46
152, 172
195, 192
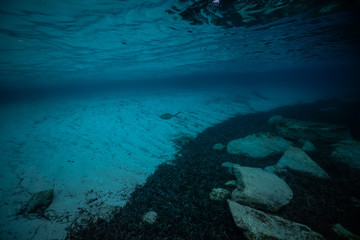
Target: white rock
219, 194
150, 217
296, 159
258, 145
259, 225
260, 189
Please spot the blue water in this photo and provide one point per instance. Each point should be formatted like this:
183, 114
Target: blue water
63, 43
83, 83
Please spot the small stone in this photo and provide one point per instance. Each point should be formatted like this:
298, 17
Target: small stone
231, 183
271, 169
181, 139
219, 194
40, 201
275, 120
230, 166
150, 217
219, 147
308, 147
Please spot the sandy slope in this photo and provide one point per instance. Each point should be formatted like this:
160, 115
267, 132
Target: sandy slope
94, 151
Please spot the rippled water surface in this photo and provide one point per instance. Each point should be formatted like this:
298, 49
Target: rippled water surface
66, 41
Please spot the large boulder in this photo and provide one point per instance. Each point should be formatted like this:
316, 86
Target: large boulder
296, 159
348, 152
258, 145
312, 131
259, 225
259, 189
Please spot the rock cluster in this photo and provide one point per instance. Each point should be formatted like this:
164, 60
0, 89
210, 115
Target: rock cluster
346, 150
312, 131
257, 190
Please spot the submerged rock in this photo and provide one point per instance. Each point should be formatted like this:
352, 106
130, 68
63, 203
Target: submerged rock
219, 194
40, 201
260, 189
308, 147
231, 183
259, 225
181, 139
296, 159
229, 166
275, 120
348, 152
258, 145
150, 217
219, 147
344, 233
296, 129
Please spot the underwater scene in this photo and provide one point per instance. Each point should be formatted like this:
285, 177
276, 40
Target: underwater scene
179, 119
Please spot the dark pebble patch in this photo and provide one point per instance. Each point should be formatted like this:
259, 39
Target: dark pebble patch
179, 192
